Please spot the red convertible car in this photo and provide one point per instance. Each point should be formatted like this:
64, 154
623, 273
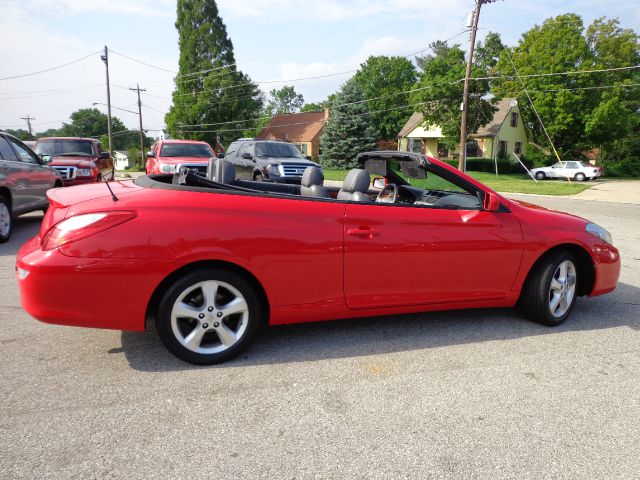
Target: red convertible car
212, 259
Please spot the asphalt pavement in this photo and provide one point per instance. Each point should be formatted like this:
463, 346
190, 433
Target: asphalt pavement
470, 394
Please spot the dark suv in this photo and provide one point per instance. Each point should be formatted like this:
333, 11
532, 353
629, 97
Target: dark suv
267, 160
24, 181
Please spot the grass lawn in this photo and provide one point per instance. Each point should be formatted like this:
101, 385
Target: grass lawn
507, 183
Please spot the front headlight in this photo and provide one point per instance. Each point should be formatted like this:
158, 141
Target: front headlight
274, 170
83, 172
599, 232
167, 168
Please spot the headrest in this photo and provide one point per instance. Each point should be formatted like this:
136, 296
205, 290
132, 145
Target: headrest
225, 172
357, 181
312, 176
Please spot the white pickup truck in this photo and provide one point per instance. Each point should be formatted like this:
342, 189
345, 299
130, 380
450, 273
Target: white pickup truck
574, 170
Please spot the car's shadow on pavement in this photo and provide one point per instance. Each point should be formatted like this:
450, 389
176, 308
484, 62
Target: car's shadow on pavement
24, 228
380, 335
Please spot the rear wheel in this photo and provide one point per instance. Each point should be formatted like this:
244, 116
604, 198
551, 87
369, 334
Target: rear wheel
6, 223
540, 176
580, 177
209, 316
550, 291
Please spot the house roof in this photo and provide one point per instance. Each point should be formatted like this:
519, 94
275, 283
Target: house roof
414, 120
294, 127
489, 130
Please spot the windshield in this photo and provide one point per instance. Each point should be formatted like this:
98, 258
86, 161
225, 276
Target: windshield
278, 150
431, 182
186, 150
59, 147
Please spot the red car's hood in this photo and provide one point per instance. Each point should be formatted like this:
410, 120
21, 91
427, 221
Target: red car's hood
177, 160
80, 162
556, 214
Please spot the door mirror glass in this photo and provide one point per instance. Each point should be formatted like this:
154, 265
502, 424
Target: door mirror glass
104, 156
247, 156
221, 155
150, 154
491, 202
379, 182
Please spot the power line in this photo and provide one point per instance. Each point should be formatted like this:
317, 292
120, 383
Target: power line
141, 62
575, 72
54, 93
50, 68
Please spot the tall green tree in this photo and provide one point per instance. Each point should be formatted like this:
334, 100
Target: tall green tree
579, 111
349, 129
209, 88
439, 92
384, 81
284, 100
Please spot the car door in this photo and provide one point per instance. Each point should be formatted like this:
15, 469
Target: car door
413, 255
245, 166
34, 179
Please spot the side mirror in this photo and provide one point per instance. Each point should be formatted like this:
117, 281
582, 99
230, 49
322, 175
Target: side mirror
150, 154
379, 182
247, 156
104, 156
491, 202
221, 155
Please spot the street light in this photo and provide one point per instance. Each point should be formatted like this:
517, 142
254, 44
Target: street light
117, 108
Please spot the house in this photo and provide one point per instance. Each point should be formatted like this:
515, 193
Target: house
503, 135
121, 159
301, 129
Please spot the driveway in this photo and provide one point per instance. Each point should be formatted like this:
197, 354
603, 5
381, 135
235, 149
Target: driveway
475, 394
619, 191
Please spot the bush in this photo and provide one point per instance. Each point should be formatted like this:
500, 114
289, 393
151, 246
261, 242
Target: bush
479, 164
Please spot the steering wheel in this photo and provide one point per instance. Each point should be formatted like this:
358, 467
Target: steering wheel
389, 194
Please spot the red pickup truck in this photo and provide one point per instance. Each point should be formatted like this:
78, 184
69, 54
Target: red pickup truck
79, 160
167, 156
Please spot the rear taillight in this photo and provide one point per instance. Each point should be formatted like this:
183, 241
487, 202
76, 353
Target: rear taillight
81, 226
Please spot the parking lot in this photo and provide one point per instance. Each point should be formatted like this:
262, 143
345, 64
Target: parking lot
475, 394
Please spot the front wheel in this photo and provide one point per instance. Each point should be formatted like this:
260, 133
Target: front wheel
209, 316
6, 223
550, 291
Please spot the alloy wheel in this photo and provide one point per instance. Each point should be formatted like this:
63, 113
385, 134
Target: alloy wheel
209, 317
5, 220
562, 289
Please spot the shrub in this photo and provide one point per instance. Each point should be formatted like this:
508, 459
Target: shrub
479, 164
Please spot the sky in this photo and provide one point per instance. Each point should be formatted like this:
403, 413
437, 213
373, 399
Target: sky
274, 41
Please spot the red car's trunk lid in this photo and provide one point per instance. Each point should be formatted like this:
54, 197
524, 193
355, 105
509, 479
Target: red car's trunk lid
60, 199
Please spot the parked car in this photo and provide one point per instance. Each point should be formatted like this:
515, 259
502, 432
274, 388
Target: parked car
168, 156
267, 160
79, 160
24, 181
573, 170
213, 261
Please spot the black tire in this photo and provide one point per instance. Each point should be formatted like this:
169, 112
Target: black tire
254, 320
258, 177
535, 298
540, 176
580, 177
8, 218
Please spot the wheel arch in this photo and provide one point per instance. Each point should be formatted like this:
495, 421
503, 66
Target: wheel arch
156, 296
6, 193
586, 267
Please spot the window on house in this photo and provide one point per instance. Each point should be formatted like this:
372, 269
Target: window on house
502, 149
518, 149
514, 119
415, 145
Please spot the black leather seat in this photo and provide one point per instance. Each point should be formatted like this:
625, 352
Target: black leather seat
311, 184
221, 171
355, 186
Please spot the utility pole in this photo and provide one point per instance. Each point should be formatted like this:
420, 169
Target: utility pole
105, 59
138, 89
28, 119
462, 163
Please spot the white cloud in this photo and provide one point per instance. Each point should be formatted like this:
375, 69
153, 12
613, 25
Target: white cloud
145, 8
341, 10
